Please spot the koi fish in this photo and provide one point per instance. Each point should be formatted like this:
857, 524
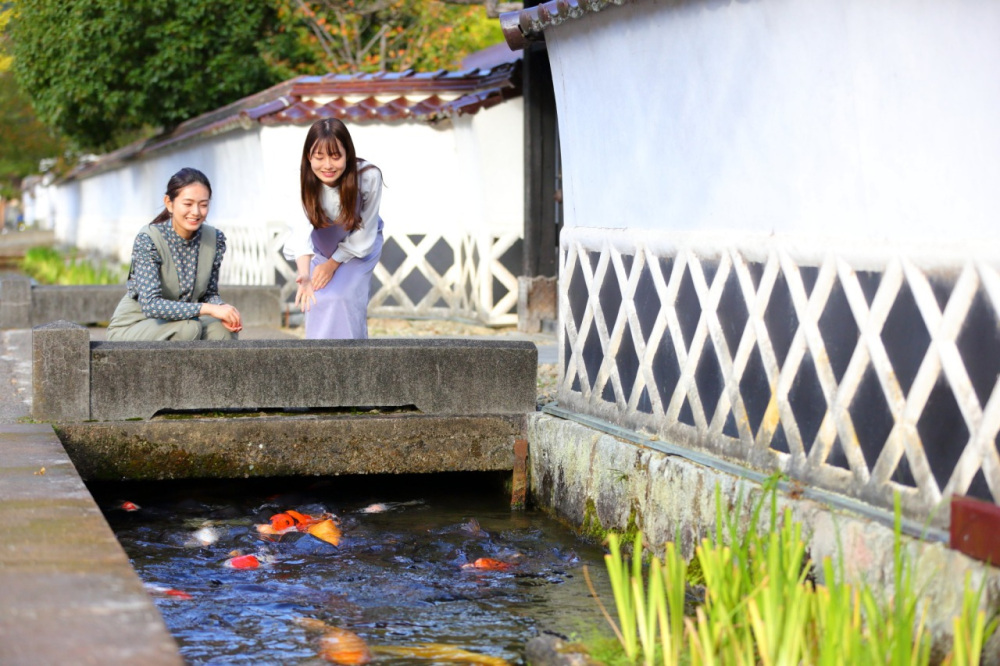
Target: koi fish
337, 645
438, 652
130, 506
487, 564
283, 521
242, 562
474, 528
168, 591
205, 536
322, 527
341, 646
382, 507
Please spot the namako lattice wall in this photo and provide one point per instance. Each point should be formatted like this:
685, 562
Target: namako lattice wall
862, 371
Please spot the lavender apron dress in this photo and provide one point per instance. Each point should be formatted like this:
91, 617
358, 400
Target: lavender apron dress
341, 308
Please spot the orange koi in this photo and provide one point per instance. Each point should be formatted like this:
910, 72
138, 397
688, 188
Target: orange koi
322, 527
242, 562
326, 530
130, 506
281, 522
344, 647
301, 519
338, 646
487, 564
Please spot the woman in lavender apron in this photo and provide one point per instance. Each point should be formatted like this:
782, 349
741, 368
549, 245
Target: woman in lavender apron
338, 244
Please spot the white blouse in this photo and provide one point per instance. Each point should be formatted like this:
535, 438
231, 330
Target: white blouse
358, 243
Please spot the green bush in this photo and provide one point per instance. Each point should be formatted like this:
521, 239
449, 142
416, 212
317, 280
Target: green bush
49, 266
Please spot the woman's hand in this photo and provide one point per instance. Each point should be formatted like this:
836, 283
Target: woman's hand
323, 273
227, 314
304, 296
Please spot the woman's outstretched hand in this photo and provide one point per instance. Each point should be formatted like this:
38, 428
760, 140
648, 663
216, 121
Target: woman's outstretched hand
323, 273
304, 296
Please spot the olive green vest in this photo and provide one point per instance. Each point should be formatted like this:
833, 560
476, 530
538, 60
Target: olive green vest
129, 311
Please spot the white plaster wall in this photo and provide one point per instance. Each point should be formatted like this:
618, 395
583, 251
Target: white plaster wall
39, 204
419, 165
437, 178
492, 142
110, 207
859, 118
458, 176
281, 151
65, 209
422, 173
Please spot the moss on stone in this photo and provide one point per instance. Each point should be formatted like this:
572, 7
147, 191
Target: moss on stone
591, 526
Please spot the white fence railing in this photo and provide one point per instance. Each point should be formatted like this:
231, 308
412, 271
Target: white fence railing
433, 275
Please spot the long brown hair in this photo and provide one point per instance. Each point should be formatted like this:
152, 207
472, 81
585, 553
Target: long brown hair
178, 181
325, 134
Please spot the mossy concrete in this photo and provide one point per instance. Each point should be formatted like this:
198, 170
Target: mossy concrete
264, 446
68, 594
597, 483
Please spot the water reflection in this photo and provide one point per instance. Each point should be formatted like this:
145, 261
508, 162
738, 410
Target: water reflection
401, 575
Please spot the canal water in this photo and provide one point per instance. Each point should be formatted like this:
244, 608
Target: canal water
403, 574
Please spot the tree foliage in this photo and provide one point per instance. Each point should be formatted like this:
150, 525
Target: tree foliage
102, 72
24, 141
345, 36
98, 69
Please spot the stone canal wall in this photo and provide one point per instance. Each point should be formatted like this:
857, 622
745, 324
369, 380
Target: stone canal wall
597, 481
23, 305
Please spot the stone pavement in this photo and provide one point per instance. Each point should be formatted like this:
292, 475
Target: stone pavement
68, 593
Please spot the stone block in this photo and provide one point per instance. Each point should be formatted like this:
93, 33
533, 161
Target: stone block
82, 304
434, 375
95, 303
15, 302
60, 359
258, 305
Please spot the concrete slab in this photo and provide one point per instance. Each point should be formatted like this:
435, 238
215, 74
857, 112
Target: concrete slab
259, 445
69, 593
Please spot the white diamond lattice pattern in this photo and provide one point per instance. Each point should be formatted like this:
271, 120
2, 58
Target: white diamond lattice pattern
466, 287
858, 378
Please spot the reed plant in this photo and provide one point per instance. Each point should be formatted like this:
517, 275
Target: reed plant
50, 266
763, 606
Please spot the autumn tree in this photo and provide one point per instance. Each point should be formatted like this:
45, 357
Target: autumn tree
385, 35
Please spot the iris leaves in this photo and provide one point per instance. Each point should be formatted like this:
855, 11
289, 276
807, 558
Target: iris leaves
762, 604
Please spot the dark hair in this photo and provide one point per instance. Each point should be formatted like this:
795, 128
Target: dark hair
178, 181
326, 133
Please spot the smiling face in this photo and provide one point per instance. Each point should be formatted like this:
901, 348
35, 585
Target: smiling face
189, 209
328, 160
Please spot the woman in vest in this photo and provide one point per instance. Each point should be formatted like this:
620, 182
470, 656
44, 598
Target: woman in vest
173, 284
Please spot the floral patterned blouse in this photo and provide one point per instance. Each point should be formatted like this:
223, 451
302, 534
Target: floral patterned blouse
144, 280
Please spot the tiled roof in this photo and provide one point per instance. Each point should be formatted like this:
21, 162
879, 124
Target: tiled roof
355, 98
528, 24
